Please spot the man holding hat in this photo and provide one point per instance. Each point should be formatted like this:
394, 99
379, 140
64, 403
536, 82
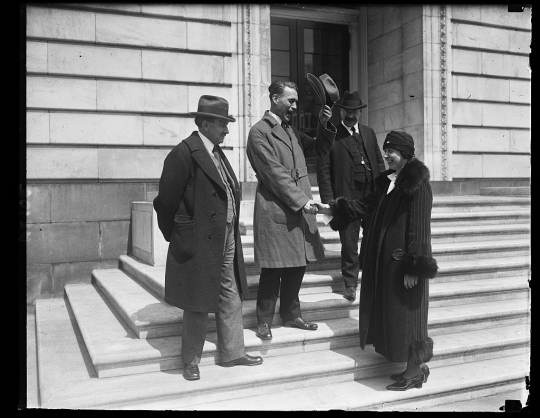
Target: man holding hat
198, 208
349, 171
285, 231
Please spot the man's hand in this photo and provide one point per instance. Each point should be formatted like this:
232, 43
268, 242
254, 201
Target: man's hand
323, 208
325, 114
310, 207
410, 281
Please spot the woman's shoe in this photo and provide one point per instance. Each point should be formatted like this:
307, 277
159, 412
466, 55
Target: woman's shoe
406, 384
425, 370
397, 376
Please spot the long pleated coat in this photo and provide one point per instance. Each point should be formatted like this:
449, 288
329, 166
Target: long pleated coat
191, 209
284, 236
400, 245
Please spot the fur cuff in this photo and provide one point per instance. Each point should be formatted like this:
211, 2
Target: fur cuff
421, 351
419, 265
341, 213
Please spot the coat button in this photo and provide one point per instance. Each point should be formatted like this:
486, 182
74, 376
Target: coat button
214, 194
213, 215
210, 236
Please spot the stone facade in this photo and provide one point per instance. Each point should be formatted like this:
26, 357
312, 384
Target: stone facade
109, 89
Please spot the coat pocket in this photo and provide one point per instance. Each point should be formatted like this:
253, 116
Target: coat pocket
183, 239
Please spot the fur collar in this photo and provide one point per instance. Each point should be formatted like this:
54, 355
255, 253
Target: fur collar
410, 178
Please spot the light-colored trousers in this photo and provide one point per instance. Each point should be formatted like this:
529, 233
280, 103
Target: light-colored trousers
230, 329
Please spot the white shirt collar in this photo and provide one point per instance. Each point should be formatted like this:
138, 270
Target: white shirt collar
392, 177
276, 117
207, 144
349, 129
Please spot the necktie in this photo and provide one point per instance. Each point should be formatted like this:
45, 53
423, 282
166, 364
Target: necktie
216, 154
353, 130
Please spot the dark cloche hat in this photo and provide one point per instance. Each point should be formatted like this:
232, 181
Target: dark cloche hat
325, 88
351, 101
214, 107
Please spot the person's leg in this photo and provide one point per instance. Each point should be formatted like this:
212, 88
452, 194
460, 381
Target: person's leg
194, 325
349, 254
230, 328
267, 294
289, 302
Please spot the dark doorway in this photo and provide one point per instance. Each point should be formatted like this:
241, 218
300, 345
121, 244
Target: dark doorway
300, 47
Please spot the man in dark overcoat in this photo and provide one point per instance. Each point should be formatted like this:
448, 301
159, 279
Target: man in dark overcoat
349, 170
285, 230
198, 206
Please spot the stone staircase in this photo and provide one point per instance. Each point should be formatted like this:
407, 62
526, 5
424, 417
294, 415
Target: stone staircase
115, 344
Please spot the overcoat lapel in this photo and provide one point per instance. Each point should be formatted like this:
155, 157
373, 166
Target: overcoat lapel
367, 144
345, 140
200, 154
277, 130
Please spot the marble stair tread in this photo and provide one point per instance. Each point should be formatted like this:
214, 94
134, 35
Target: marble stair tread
146, 313
154, 277
79, 387
456, 382
113, 345
333, 236
440, 215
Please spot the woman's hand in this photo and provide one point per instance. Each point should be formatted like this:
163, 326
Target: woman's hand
323, 208
410, 281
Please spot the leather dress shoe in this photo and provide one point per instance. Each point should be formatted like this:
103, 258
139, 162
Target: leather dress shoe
191, 372
247, 360
425, 369
264, 332
350, 293
300, 323
405, 384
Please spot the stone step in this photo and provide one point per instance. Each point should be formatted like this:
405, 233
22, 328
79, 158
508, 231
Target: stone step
505, 191
321, 281
68, 381
455, 383
440, 234
150, 317
441, 251
441, 219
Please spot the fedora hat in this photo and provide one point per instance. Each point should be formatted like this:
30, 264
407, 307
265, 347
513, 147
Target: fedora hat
351, 101
325, 88
213, 107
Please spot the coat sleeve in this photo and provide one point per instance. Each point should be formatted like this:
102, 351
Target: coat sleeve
344, 211
172, 185
324, 181
418, 260
320, 146
271, 172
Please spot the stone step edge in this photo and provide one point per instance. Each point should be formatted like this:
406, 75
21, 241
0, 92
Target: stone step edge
382, 399
114, 360
329, 305
139, 270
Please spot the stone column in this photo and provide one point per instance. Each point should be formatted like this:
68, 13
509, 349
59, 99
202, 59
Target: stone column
437, 129
251, 69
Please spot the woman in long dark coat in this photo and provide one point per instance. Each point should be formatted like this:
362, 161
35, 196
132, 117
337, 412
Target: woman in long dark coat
398, 261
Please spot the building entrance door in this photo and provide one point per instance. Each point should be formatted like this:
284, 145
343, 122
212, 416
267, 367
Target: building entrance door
299, 47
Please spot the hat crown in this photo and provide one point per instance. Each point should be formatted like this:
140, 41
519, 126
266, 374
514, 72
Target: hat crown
325, 88
351, 100
213, 106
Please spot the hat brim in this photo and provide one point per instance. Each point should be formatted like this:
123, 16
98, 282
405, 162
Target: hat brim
211, 115
317, 86
351, 108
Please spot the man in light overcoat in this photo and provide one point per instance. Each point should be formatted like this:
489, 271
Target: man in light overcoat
285, 231
198, 206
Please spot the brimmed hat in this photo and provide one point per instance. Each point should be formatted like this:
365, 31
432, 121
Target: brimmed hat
325, 88
351, 101
402, 141
214, 107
